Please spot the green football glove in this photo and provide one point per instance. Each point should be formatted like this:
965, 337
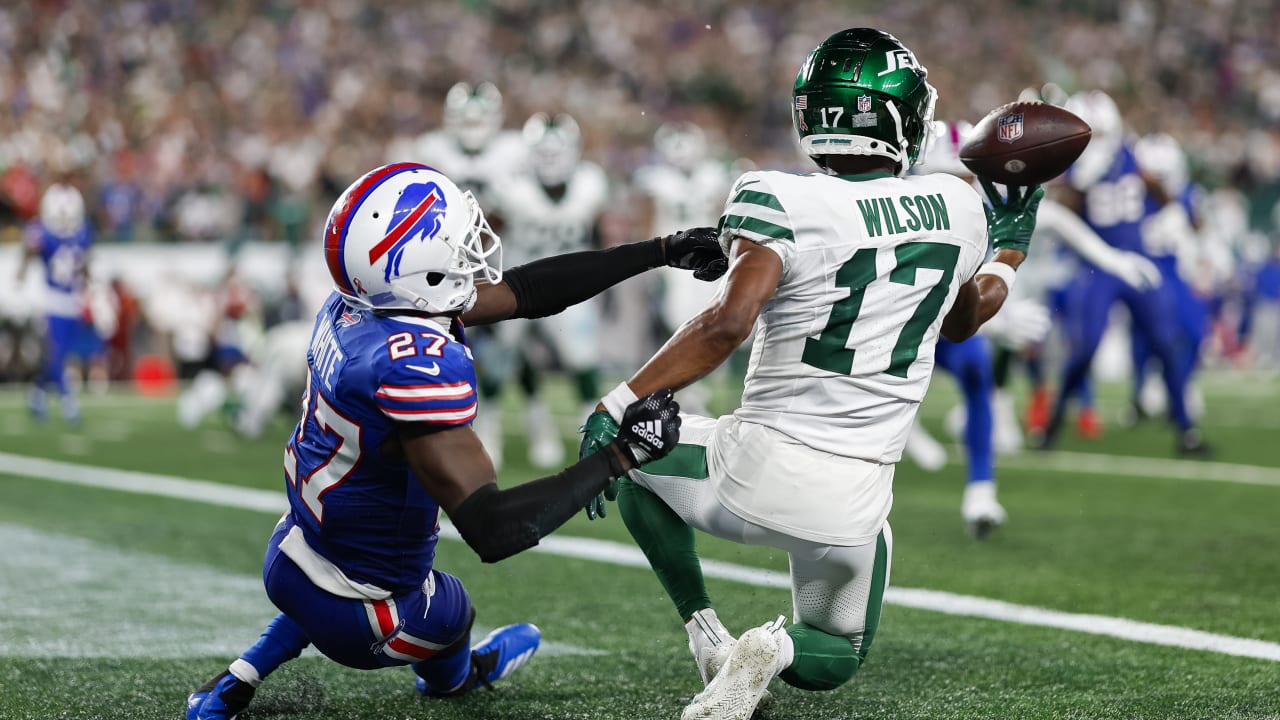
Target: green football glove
1010, 222
598, 431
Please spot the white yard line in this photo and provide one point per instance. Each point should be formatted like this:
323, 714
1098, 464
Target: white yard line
630, 556
1133, 466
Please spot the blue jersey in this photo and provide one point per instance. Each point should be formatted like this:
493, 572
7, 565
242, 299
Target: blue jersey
64, 260
1164, 250
1115, 204
350, 489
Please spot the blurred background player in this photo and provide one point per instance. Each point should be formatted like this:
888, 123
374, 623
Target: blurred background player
552, 208
970, 363
1170, 237
686, 187
234, 328
474, 150
471, 146
1111, 193
60, 243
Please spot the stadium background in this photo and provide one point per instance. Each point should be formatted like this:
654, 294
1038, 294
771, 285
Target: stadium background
227, 123
205, 132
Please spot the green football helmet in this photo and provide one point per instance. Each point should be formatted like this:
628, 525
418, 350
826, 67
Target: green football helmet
862, 92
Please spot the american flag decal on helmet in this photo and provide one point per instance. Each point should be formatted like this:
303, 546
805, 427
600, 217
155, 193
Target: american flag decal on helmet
802, 102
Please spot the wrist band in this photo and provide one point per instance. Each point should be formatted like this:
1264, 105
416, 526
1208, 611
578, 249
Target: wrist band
1000, 270
619, 398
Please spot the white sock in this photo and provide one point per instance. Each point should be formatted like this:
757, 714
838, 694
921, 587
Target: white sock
788, 651
706, 630
245, 672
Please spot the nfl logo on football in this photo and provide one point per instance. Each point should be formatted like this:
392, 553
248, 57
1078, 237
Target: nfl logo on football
864, 103
1009, 128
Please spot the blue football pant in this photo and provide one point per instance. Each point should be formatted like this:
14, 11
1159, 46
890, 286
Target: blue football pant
1191, 321
1152, 313
970, 363
426, 627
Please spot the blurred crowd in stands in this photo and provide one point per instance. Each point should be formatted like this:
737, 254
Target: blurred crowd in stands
241, 119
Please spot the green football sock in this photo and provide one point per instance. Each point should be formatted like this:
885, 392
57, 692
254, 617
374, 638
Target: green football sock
668, 544
588, 384
822, 661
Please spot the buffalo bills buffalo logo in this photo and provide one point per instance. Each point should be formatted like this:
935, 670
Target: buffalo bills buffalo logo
419, 214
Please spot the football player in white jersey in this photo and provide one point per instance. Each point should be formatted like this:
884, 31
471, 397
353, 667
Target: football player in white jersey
686, 188
552, 209
475, 151
848, 276
471, 147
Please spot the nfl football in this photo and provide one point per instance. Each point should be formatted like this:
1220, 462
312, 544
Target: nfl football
1025, 143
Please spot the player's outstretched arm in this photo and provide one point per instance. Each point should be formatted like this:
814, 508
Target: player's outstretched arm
1135, 270
454, 468
1010, 223
711, 336
548, 286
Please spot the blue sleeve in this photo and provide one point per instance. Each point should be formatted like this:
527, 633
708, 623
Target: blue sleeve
439, 390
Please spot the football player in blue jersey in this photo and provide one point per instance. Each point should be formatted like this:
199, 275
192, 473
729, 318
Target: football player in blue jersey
60, 243
1114, 197
385, 441
1170, 237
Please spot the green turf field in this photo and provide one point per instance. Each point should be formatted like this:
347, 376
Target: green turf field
116, 604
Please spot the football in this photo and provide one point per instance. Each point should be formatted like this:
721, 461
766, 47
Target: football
1025, 143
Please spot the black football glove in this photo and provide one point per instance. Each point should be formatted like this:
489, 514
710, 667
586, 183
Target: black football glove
650, 427
697, 249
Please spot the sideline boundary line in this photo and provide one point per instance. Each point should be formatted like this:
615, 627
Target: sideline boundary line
615, 553
1130, 466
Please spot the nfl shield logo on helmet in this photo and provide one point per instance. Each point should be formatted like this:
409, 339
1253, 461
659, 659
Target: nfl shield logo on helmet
1009, 127
864, 103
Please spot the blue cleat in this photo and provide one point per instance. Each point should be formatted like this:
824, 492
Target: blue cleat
224, 697
499, 654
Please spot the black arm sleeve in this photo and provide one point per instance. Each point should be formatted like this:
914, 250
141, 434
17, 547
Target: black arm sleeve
548, 286
500, 523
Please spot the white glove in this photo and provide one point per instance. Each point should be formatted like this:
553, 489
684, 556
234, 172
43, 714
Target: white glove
1017, 324
1134, 270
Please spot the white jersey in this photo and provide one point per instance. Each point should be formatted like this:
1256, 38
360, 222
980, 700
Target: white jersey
536, 225
505, 155
844, 350
684, 200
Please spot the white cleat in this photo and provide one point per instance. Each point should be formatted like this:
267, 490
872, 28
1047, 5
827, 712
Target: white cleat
981, 511
743, 679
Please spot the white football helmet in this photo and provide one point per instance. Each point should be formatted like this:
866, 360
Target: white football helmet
406, 237
1161, 156
473, 115
942, 151
1098, 110
62, 210
555, 146
681, 144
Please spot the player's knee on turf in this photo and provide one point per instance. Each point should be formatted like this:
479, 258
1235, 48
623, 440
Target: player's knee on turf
822, 661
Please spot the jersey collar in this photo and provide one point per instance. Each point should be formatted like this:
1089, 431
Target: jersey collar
859, 177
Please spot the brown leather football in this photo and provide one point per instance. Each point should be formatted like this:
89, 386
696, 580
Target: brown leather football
1025, 143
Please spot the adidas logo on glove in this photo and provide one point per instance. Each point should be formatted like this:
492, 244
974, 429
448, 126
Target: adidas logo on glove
650, 430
